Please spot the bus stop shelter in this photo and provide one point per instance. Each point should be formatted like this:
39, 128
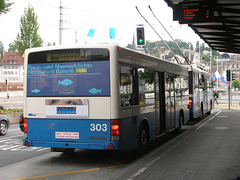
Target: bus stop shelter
217, 22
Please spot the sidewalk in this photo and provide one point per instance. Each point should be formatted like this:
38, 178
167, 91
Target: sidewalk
225, 106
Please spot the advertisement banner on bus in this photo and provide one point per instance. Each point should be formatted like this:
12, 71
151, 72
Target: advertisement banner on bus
68, 79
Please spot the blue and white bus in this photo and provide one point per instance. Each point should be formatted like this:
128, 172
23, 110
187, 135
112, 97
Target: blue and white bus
200, 92
101, 97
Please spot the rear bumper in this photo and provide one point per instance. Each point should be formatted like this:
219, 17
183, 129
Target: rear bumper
72, 145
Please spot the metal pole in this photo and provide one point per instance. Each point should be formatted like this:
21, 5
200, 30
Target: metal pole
229, 91
217, 70
210, 58
60, 23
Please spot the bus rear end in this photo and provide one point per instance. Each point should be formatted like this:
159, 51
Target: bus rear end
67, 102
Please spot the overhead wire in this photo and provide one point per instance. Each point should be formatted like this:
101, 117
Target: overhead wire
176, 58
186, 59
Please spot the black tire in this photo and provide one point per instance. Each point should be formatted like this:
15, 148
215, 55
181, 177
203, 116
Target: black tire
3, 127
143, 137
142, 140
209, 112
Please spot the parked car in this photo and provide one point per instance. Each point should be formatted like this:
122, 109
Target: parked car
21, 123
4, 124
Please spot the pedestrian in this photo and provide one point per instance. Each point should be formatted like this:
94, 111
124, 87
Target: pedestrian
215, 96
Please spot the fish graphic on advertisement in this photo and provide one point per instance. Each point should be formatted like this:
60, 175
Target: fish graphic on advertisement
36, 91
65, 82
95, 91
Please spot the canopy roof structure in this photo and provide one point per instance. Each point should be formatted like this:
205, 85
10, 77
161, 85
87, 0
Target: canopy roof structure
223, 32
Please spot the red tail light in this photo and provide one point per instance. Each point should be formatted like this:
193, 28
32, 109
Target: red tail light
115, 127
190, 102
25, 125
21, 119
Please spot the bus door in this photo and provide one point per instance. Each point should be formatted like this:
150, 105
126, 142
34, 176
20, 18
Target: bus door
170, 101
160, 103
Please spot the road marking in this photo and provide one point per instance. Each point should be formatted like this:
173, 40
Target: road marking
10, 130
10, 147
221, 128
13, 146
42, 149
222, 116
4, 140
199, 127
58, 174
11, 137
121, 165
142, 170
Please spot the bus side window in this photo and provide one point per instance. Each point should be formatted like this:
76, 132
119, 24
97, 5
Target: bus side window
134, 84
129, 86
146, 86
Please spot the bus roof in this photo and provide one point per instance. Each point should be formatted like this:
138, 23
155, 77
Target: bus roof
149, 61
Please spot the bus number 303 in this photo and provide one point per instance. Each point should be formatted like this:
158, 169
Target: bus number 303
98, 127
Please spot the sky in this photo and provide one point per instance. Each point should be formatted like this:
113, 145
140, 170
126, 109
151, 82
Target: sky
79, 16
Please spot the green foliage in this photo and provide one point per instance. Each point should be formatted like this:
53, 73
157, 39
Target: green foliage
207, 59
11, 111
4, 7
147, 76
1, 48
12, 47
235, 84
151, 46
28, 36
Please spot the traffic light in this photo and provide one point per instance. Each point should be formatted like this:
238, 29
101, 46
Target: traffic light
233, 76
228, 75
140, 36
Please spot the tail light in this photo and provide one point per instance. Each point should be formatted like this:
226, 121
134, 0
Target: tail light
25, 125
115, 130
21, 119
190, 103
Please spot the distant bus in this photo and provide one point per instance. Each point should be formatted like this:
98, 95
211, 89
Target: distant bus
200, 92
101, 97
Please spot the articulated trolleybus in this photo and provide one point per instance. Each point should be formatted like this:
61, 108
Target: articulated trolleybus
101, 97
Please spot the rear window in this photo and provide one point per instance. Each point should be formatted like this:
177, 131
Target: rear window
71, 72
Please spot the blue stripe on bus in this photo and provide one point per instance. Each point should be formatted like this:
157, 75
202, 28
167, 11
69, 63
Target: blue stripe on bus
69, 130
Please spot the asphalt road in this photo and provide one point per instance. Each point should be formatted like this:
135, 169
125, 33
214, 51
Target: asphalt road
206, 150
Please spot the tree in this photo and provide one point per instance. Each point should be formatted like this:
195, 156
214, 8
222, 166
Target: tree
28, 36
197, 46
12, 47
4, 7
1, 49
235, 84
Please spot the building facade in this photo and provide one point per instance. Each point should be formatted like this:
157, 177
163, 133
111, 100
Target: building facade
11, 67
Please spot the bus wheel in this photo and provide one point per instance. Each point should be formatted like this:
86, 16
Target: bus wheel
209, 112
202, 111
143, 137
143, 134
